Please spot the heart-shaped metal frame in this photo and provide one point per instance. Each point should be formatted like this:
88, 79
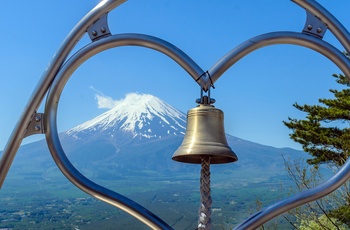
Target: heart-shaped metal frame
95, 24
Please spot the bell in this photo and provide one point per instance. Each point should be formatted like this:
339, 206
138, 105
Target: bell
205, 136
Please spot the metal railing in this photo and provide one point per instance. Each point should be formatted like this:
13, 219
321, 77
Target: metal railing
95, 24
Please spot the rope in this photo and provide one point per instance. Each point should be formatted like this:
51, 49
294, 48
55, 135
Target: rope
204, 221
211, 80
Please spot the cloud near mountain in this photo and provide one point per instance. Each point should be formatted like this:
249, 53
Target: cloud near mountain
103, 101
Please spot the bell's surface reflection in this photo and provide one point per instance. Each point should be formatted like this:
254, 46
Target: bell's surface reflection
205, 136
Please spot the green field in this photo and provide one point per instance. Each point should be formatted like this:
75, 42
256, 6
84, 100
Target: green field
39, 201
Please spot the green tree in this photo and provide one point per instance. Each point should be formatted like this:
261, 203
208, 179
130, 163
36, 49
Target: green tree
327, 223
326, 143
325, 135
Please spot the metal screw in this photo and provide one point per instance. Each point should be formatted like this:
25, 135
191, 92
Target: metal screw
103, 30
309, 27
37, 128
37, 118
94, 33
319, 30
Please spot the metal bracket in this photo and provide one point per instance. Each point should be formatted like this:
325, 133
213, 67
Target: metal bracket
99, 29
36, 125
314, 26
205, 99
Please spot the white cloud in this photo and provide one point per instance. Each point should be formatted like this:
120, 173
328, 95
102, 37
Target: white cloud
103, 101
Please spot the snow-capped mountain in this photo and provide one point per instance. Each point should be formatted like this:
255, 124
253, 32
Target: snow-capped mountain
137, 115
140, 134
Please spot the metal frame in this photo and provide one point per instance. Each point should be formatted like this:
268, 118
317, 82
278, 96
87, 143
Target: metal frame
95, 24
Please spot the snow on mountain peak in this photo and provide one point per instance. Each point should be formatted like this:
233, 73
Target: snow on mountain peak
140, 114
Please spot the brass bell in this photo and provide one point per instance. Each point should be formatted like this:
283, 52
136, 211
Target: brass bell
205, 136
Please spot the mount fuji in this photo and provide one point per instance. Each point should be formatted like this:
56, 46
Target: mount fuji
135, 117
140, 134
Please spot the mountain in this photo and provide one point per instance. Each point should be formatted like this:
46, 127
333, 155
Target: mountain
128, 149
137, 116
141, 134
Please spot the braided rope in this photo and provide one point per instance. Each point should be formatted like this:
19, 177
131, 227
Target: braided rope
204, 221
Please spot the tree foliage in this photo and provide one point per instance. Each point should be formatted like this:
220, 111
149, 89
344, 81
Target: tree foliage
324, 142
330, 212
327, 223
325, 135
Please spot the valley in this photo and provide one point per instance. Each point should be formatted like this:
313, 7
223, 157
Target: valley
41, 204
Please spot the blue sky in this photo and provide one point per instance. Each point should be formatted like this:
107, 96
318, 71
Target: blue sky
256, 94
